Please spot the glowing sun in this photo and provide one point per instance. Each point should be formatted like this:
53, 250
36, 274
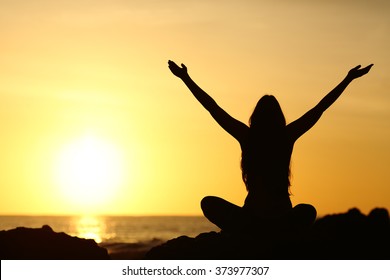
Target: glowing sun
89, 170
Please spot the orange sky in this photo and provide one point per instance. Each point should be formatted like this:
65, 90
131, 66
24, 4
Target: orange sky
76, 70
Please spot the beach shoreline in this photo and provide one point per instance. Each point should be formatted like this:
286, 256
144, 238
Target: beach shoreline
129, 251
349, 235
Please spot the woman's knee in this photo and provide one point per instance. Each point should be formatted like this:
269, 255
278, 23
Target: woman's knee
305, 214
208, 203
226, 215
214, 207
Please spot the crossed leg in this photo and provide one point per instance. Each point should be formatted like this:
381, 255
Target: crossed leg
230, 217
227, 216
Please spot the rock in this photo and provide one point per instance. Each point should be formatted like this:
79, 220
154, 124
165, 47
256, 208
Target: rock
350, 235
45, 244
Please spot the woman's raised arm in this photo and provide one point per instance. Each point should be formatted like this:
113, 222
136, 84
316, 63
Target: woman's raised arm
304, 123
234, 127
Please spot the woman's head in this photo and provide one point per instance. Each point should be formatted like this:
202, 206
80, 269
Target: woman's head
265, 158
267, 114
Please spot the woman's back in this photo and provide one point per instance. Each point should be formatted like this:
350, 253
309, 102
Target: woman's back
265, 161
265, 166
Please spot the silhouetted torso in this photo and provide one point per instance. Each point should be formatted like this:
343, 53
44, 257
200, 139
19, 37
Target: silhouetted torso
262, 199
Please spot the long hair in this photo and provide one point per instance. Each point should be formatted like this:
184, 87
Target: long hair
265, 160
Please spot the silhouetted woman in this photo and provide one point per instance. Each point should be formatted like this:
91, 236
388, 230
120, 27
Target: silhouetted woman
266, 147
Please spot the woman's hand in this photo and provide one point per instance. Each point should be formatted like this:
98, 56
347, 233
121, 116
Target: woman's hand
176, 70
357, 72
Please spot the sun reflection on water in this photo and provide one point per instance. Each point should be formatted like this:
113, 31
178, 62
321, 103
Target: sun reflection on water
91, 227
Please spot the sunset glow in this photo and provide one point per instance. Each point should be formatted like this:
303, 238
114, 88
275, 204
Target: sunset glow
91, 118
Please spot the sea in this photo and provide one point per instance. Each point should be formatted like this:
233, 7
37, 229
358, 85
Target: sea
116, 229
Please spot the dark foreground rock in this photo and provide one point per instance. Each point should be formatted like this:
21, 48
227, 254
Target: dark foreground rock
45, 244
350, 235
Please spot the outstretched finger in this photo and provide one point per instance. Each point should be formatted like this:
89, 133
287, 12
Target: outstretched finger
369, 66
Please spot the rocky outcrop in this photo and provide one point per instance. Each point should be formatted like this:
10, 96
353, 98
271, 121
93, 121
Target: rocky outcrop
45, 244
350, 235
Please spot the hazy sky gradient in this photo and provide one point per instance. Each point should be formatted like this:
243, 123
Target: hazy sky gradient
75, 68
